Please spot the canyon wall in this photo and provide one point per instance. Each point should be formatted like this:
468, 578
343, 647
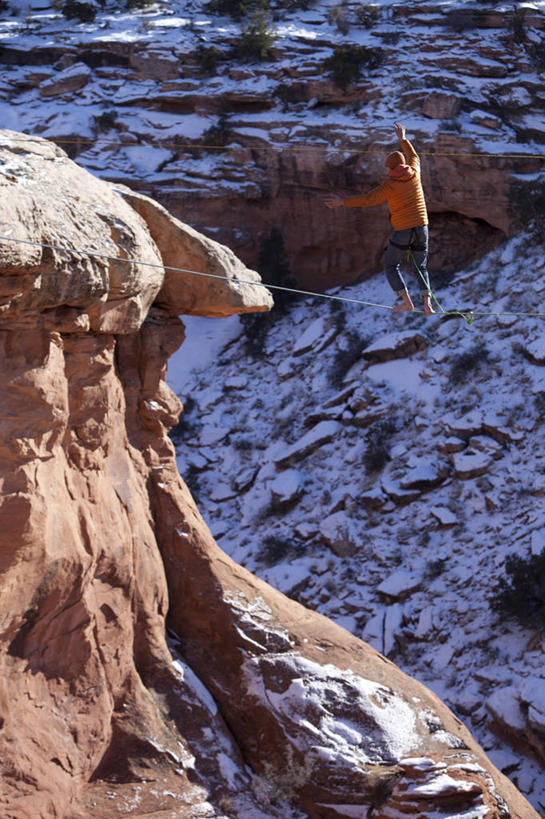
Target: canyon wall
171, 105
142, 671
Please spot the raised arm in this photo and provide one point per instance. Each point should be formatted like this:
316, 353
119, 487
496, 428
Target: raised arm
410, 154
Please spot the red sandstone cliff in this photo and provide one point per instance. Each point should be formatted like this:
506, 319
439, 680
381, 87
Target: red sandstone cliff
258, 707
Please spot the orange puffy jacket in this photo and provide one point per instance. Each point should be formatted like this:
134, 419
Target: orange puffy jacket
404, 195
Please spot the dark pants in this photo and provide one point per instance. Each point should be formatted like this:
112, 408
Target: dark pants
401, 241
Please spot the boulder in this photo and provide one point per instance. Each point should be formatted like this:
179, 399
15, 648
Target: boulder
73, 78
202, 277
338, 532
395, 345
439, 105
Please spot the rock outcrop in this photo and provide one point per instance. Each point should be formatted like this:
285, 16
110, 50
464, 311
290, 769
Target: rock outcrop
255, 707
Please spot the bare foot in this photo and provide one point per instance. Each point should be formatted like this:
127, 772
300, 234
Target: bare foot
428, 309
405, 306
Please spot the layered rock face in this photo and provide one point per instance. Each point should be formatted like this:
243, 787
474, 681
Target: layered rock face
169, 104
255, 706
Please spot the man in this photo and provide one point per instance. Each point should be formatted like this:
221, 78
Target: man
402, 189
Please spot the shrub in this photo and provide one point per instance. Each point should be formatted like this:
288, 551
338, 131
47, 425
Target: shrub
435, 568
527, 206
338, 17
274, 550
256, 37
139, 4
82, 11
274, 268
520, 595
105, 120
208, 58
193, 482
234, 8
536, 52
367, 14
217, 135
517, 24
347, 62
378, 444
464, 365
461, 19
187, 422
347, 356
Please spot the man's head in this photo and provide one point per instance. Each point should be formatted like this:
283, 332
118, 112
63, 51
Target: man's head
394, 159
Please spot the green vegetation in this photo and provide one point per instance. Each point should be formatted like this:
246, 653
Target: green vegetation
347, 63
77, 10
274, 550
208, 58
536, 52
527, 206
378, 444
367, 14
338, 17
105, 120
464, 365
347, 356
237, 9
256, 37
520, 595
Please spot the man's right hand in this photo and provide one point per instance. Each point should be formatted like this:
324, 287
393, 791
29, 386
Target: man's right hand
400, 130
333, 201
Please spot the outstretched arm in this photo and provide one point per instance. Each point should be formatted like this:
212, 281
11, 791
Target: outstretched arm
333, 201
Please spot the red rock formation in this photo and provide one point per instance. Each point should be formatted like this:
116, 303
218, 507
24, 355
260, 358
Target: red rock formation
258, 707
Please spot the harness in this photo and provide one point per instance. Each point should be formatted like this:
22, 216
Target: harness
413, 244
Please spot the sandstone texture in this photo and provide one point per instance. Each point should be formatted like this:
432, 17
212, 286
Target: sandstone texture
250, 705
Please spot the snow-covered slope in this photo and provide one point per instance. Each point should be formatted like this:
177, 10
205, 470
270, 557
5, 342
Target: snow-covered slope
287, 453
235, 146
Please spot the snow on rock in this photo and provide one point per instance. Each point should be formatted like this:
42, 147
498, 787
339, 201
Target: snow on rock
535, 350
322, 433
469, 464
317, 336
424, 475
399, 585
334, 714
339, 533
287, 488
393, 620
65, 82
394, 345
444, 515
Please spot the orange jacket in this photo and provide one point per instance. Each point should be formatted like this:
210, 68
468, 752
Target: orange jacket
404, 195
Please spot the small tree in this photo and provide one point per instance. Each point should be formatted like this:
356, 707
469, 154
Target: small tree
347, 62
378, 444
256, 37
76, 10
367, 14
520, 595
